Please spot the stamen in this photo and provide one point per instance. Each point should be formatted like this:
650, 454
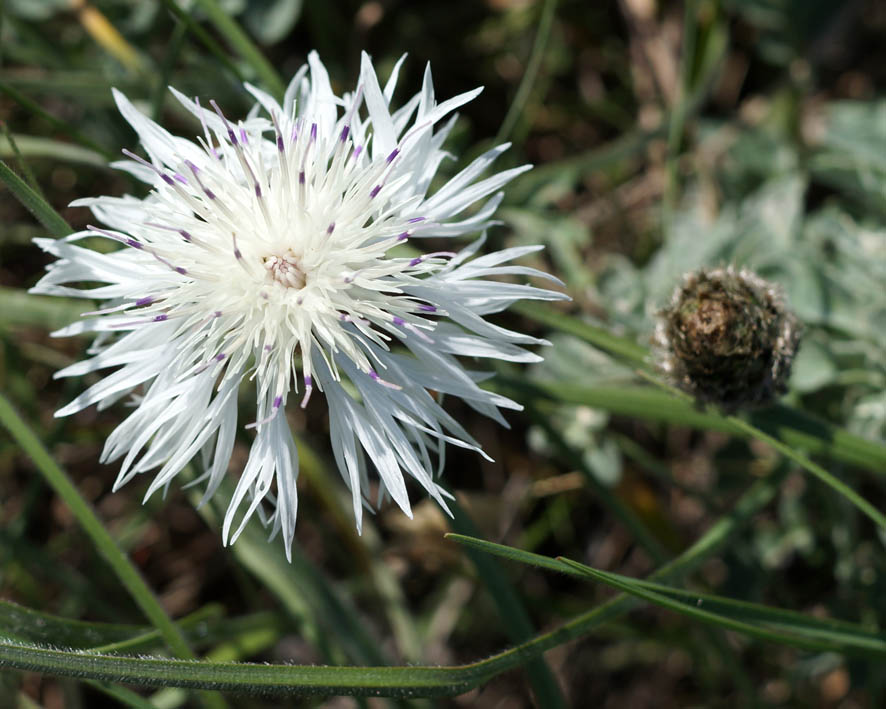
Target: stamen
309, 387
278, 400
389, 385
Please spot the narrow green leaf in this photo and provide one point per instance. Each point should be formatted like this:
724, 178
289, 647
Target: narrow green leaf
205, 38
244, 46
517, 624
124, 569
542, 35
806, 636
300, 585
37, 147
60, 125
10, 148
389, 681
795, 428
49, 312
34, 203
807, 631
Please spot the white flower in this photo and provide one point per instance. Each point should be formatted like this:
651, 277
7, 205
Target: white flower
266, 251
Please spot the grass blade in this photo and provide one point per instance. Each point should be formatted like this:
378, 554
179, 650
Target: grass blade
123, 568
34, 203
244, 46
390, 681
514, 617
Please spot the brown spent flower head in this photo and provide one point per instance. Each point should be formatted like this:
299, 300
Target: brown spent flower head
727, 338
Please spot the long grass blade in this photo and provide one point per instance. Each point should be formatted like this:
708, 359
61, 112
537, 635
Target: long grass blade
34, 203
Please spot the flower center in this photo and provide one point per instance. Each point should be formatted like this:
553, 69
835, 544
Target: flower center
286, 270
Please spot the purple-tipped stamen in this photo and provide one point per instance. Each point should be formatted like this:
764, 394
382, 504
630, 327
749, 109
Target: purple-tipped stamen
309, 387
278, 400
330, 228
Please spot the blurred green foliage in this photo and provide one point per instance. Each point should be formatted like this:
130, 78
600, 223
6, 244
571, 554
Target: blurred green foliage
666, 136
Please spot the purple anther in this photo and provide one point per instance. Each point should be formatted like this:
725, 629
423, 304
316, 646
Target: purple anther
394, 153
301, 177
237, 254
243, 137
309, 382
330, 228
220, 356
185, 235
277, 401
403, 236
344, 317
279, 143
416, 220
313, 132
357, 151
373, 375
209, 193
398, 321
294, 135
232, 137
268, 348
257, 190
375, 191
134, 244
428, 308
147, 300
344, 133
167, 179
181, 270
160, 318
217, 314
192, 167
415, 261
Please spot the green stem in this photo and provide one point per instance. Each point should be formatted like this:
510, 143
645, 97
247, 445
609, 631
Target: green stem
124, 569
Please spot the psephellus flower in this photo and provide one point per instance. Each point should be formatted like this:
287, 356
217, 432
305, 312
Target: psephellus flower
264, 256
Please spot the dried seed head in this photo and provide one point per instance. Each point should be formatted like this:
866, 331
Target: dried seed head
728, 338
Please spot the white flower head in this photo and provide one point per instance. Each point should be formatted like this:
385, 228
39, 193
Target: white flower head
265, 252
